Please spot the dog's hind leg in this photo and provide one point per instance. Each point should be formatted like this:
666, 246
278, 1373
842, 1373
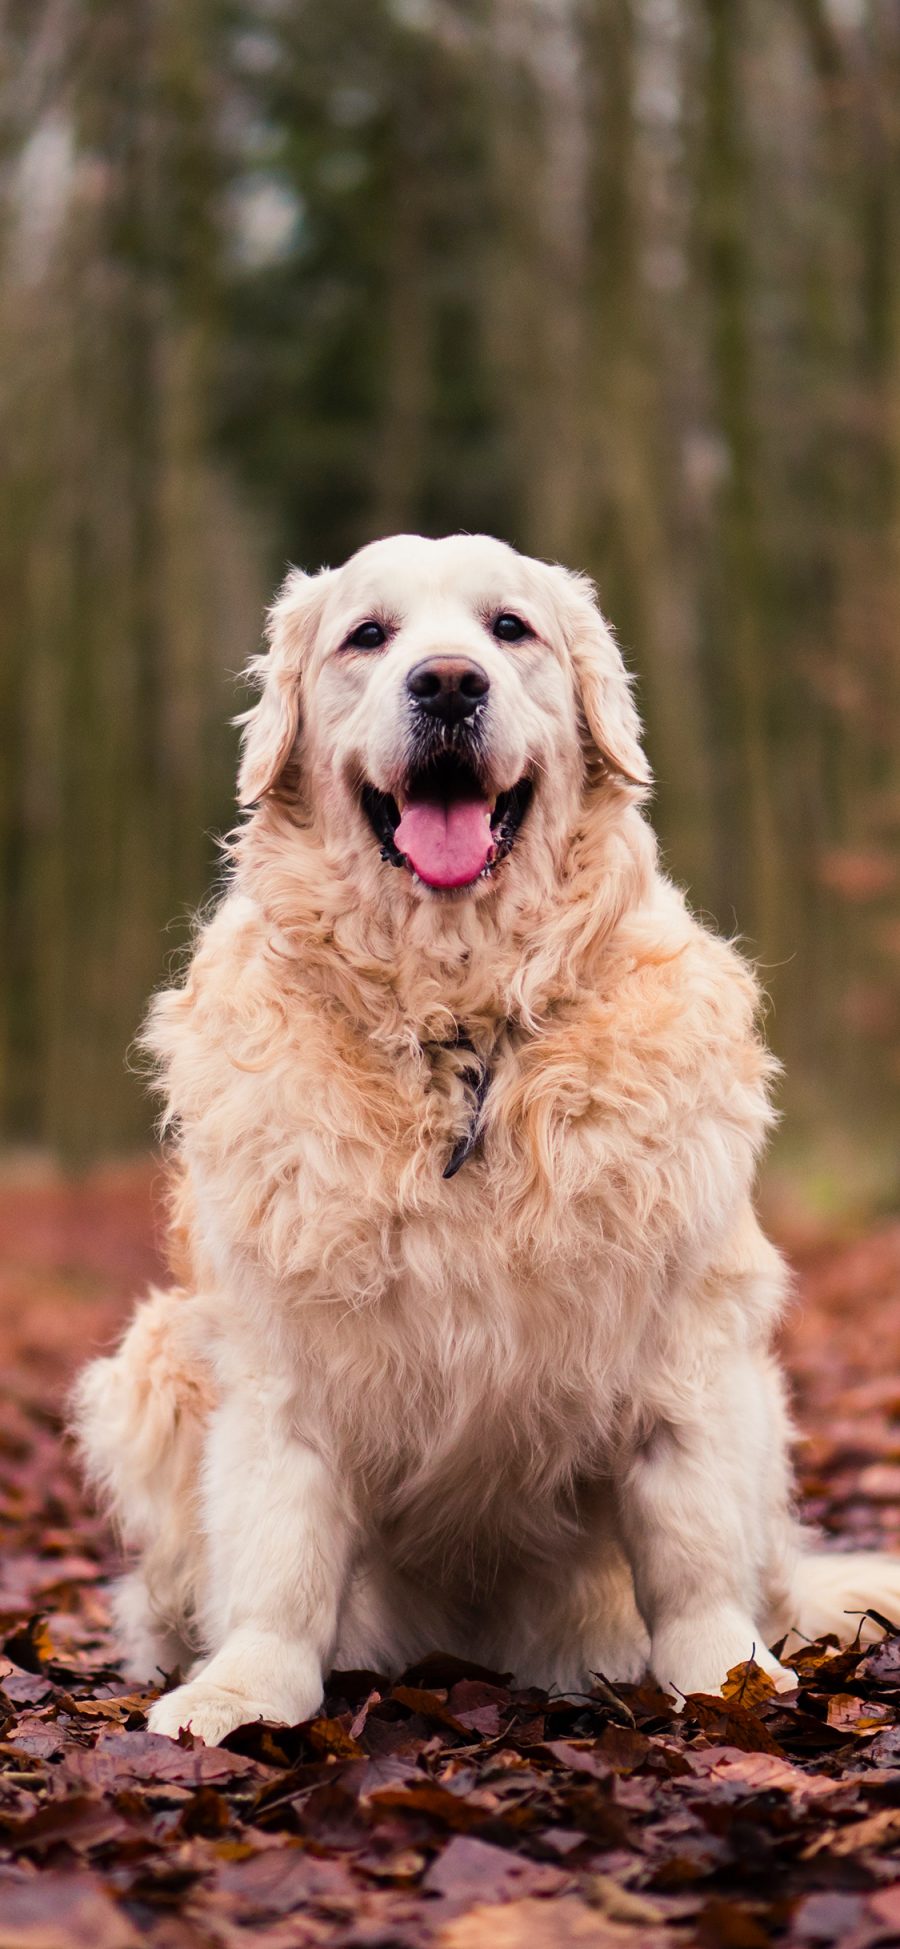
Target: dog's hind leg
388, 1620
154, 1646
831, 1591
809, 1592
140, 1418
577, 1617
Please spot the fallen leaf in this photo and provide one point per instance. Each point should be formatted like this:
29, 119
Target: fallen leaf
62, 1912
532, 1924
873, 1832
762, 1772
470, 1870
748, 1685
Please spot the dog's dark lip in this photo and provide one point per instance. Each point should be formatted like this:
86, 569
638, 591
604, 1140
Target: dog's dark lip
383, 812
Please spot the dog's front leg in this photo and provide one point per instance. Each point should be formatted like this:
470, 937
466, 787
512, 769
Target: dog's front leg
692, 1502
277, 1537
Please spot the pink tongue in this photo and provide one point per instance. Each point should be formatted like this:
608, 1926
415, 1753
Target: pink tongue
447, 845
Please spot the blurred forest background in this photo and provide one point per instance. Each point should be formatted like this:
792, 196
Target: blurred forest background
616, 279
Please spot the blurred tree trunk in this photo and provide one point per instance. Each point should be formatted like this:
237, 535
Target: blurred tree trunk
122, 530
639, 273
745, 686
400, 465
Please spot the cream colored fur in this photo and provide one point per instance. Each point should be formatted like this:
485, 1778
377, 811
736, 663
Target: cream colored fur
529, 1415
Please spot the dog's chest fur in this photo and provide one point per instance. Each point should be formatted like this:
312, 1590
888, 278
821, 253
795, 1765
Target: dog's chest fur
488, 1326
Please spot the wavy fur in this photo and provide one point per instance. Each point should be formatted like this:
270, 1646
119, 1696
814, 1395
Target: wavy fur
530, 1415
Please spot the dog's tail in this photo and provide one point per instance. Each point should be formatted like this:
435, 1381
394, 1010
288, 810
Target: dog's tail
139, 1416
831, 1591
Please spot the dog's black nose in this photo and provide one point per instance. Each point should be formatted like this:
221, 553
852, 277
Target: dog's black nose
448, 687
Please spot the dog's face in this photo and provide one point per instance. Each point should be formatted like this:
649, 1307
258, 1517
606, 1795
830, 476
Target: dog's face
441, 707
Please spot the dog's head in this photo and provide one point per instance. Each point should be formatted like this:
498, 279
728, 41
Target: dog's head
443, 708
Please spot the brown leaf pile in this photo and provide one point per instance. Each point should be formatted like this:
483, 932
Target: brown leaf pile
449, 1808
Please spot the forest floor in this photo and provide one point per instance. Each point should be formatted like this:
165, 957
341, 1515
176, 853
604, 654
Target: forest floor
450, 1808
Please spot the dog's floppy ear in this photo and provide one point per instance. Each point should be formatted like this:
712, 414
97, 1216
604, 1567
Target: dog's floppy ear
272, 726
604, 686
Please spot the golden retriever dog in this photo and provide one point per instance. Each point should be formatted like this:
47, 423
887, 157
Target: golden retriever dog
470, 1345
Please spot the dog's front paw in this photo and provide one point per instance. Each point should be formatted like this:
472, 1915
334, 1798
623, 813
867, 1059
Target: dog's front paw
697, 1655
207, 1710
255, 1675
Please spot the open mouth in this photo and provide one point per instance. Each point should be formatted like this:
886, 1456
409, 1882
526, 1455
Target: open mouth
445, 829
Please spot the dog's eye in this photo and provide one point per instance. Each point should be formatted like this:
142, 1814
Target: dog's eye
509, 628
369, 636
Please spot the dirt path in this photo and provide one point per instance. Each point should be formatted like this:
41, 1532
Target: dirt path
448, 1809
